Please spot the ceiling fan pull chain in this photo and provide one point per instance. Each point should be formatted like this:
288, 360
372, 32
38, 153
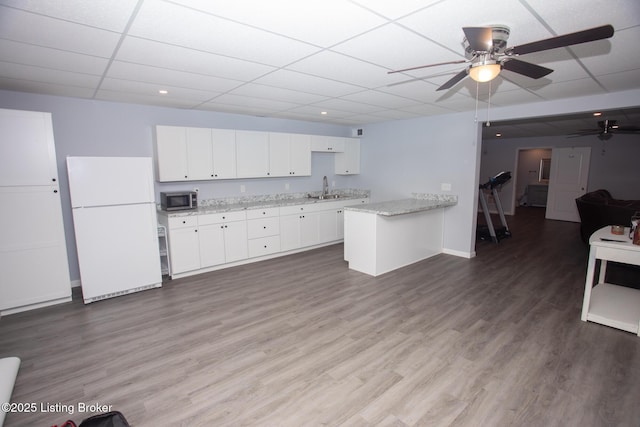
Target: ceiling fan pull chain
489, 105
477, 89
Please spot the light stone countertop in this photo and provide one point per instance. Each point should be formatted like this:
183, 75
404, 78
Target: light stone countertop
420, 202
263, 202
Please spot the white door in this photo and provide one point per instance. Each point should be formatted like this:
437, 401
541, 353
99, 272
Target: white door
224, 153
567, 182
171, 153
252, 151
199, 154
279, 162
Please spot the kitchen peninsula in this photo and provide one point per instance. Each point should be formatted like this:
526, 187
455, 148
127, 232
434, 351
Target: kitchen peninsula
384, 236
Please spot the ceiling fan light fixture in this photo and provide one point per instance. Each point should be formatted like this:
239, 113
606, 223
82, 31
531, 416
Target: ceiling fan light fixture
484, 71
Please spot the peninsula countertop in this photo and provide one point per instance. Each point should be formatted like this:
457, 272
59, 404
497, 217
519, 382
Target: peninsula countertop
418, 203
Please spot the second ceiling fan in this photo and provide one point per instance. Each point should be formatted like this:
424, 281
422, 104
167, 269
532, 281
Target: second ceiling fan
487, 53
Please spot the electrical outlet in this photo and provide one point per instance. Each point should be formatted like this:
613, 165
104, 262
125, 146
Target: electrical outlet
242, 188
445, 186
286, 186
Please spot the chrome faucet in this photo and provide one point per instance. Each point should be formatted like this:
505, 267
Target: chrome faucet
325, 186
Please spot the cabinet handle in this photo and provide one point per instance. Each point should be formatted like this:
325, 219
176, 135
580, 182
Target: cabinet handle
265, 246
265, 227
55, 191
196, 230
53, 179
184, 222
185, 176
225, 226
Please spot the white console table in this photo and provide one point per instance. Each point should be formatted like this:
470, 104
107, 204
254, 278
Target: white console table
606, 303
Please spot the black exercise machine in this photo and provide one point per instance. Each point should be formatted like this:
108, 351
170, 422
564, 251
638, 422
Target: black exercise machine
486, 232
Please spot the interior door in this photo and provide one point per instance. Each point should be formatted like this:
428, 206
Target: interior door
568, 181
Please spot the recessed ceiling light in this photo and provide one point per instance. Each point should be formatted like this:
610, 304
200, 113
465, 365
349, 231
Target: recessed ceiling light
163, 91
324, 113
498, 134
597, 114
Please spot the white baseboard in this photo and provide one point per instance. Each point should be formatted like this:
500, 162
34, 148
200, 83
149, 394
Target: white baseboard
461, 254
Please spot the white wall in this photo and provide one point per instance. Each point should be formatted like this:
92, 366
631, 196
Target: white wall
418, 155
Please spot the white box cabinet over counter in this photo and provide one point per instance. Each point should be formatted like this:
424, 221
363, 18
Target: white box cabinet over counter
382, 237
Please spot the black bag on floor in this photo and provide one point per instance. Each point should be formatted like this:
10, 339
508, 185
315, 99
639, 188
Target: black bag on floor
109, 419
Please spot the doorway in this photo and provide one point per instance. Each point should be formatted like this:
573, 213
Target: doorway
532, 177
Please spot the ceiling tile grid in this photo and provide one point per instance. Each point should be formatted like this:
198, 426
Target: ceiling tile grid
297, 59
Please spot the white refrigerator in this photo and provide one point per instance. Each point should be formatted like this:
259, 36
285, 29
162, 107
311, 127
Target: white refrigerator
115, 223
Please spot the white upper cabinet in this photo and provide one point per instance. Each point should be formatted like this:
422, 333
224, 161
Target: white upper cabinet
189, 153
289, 154
252, 151
224, 153
332, 144
199, 153
348, 162
171, 153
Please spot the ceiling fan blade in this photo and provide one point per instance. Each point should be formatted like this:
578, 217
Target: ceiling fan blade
593, 34
453, 80
461, 61
479, 38
526, 68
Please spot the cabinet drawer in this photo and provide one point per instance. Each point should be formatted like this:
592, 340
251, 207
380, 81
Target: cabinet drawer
183, 221
263, 227
262, 213
216, 218
264, 246
309, 207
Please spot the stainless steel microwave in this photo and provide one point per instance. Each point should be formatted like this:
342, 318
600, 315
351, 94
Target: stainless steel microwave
178, 200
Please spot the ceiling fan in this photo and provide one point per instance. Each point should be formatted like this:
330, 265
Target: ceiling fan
487, 52
606, 129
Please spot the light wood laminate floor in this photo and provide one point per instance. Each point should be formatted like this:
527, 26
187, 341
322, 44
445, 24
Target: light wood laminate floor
302, 341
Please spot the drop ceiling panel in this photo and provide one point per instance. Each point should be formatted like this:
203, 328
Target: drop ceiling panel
140, 98
394, 47
394, 9
47, 75
139, 51
194, 96
156, 21
163, 77
569, 89
43, 57
276, 93
617, 58
381, 99
621, 81
105, 14
49, 88
566, 17
254, 103
321, 23
344, 69
346, 105
20, 26
307, 83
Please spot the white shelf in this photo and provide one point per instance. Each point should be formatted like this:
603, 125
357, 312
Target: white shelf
615, 306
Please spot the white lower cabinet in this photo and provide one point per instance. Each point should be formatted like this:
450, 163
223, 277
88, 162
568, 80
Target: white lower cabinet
209, 240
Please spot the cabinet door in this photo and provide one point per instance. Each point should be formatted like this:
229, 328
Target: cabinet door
211, 244
199, 153
33, 254
300, 155
224, 153
235, 241
279, 157
185, 249
340, 223
252, 151
348, 163
310, 229
27, 150
290, 232
327, 226
171, 153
